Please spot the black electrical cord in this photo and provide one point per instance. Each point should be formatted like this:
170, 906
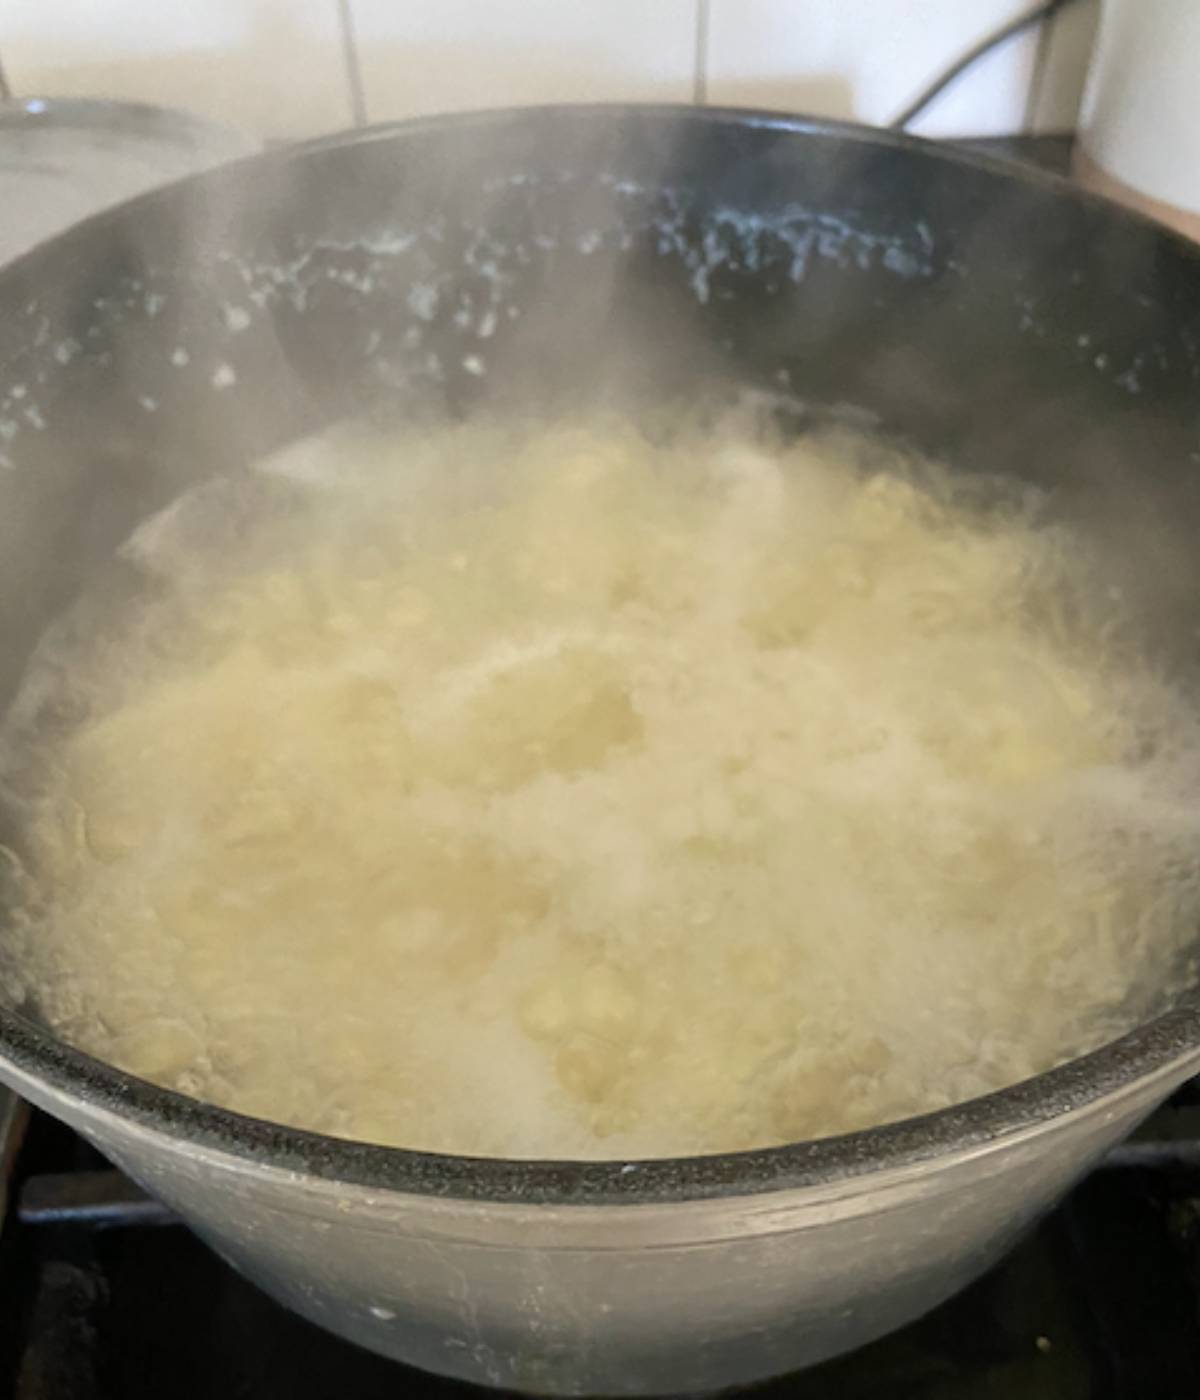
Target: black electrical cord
1047, 10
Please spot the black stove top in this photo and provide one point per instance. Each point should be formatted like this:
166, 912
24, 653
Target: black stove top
104, 1297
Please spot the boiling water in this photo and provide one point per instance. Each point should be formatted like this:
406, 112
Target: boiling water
575, 791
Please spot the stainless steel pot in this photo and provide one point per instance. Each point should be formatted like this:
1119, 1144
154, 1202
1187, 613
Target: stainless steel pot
632, 1279
541, 257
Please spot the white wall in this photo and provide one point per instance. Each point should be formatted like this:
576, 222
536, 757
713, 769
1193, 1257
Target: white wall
866, 59
277, 67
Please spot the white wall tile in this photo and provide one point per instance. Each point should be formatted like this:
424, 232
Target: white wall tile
865, 59
275, 67
423, 56
272, 67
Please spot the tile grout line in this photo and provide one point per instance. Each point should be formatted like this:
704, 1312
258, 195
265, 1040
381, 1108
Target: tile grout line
700, 55
1035, 98
350, 63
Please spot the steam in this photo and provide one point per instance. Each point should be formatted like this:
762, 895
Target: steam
539, 265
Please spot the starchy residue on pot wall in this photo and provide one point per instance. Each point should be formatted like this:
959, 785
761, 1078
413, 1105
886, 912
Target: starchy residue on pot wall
577, 791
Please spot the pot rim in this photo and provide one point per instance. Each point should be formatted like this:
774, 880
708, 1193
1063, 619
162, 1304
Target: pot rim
1166, 1047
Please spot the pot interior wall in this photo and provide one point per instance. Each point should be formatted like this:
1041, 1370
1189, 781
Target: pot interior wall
546, 258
